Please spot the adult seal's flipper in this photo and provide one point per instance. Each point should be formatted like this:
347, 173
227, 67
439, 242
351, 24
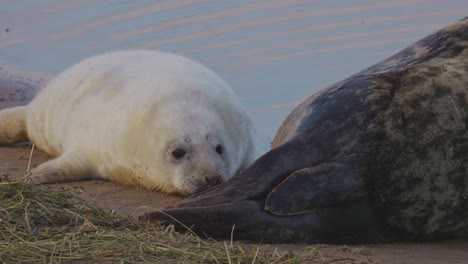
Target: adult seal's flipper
309, 189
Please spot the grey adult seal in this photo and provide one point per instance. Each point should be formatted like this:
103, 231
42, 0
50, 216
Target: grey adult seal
380, 156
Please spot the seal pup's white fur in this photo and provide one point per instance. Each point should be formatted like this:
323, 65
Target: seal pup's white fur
144, 118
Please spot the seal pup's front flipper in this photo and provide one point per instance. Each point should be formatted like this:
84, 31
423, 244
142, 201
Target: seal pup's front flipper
68, 167
13, 125
309, 189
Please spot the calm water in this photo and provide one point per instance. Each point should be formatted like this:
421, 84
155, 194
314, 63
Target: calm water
274, 53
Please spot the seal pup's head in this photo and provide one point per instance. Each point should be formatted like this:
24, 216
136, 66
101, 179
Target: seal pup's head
197, 162
192, 151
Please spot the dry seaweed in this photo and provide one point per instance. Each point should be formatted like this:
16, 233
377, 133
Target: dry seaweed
40, 224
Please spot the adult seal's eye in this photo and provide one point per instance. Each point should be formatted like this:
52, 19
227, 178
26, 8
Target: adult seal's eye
219, 149
178, 154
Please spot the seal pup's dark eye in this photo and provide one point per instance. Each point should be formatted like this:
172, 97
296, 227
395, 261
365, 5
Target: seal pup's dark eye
178, 154
219, 149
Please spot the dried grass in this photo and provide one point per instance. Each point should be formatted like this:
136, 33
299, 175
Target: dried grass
39, 224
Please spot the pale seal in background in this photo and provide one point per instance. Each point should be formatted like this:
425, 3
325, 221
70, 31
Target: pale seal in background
144, 118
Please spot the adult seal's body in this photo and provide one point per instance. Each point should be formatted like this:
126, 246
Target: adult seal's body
380, 156
142, 118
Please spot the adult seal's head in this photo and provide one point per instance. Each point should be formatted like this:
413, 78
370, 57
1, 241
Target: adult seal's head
380, 156
144, 118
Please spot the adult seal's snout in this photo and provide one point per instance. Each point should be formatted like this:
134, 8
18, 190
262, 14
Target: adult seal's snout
212, 181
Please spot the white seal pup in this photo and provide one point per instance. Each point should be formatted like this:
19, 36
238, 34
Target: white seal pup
143, 118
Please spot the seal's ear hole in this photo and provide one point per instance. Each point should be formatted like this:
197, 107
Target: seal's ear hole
178, 154
219, 149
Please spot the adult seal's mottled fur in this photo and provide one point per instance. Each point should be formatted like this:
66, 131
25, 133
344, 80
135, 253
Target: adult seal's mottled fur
380, 156
144, 118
